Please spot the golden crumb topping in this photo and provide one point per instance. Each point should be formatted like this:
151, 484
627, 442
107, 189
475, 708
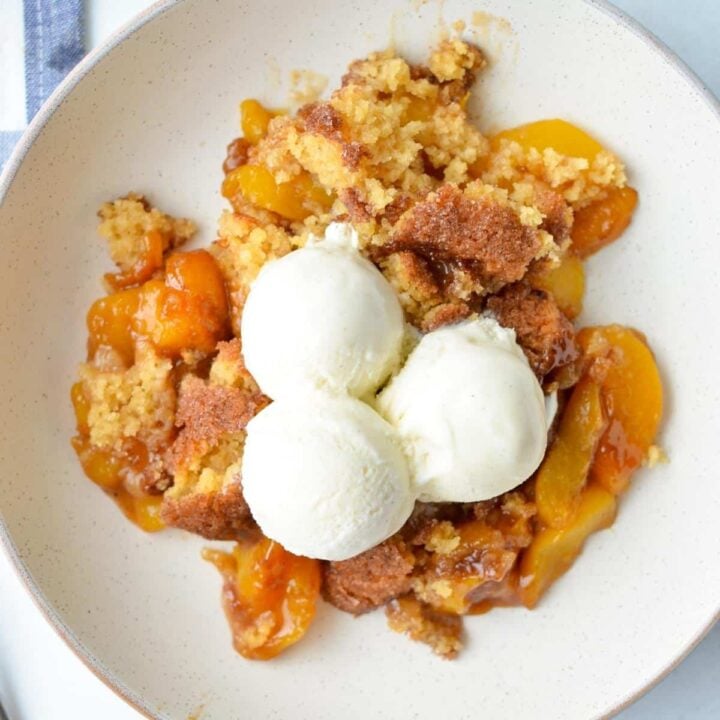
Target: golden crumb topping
443, 538
420, 622
578, 180
137, 402
126, 222
453, 59
243, 247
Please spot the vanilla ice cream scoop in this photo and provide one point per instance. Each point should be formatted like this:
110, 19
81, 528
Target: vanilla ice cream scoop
470, 411
322, 318
325, 476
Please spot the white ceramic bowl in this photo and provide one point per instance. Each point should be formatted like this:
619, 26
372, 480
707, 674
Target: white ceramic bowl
152, 111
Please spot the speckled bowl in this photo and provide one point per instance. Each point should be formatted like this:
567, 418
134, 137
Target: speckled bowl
152, 111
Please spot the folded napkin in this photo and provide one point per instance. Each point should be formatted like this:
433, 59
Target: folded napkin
40, 42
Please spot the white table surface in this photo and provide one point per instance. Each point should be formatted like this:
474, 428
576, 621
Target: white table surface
40, 679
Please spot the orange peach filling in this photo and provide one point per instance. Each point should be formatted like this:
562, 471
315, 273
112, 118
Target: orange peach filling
605, 434
251, 183
184, 309
603, 221
269, 595
560, 135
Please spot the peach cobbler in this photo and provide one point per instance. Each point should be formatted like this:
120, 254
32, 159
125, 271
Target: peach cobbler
372, 382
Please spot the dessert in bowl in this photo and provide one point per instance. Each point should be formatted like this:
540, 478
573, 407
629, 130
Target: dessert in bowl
139, 607
371, 380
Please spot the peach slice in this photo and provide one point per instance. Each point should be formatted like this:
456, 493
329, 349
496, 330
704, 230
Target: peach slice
553, 551
560, 135
294, 200
633, 396
108, 468
269, 595
187, 311
109, 323
603, 221
255, 119
565, 282
564, 470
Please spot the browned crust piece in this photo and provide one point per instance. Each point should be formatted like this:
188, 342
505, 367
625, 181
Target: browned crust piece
417, 276
558, 215
420, 622
212, 418
456, 90
510, 513
394, 211
478, 549
427, 515
420, 294
155, 478
206, 413
221, 515
321, 118
447, 313
478, 235
370, 579
450, 90
358, 210
229, 355
545, 334
236, 154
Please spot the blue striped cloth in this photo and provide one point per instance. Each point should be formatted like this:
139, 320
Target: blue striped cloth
53, 45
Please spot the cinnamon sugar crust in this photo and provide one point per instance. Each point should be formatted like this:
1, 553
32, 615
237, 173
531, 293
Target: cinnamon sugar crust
482, 235
206, 413
558, 215
321, 118
448, 313
422, 623
370, 579
543, 331
219, 515
358, 210
206, 456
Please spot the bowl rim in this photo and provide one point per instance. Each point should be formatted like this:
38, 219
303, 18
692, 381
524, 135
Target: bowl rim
33, 130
